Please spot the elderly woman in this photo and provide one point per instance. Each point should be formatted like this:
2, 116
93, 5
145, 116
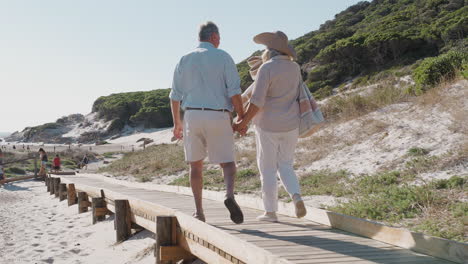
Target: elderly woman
273, 107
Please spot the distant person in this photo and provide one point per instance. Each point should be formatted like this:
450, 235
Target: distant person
274, 109
28, 148
2, 173
14, 147
206, 85
85, 161
56, 163
44, 160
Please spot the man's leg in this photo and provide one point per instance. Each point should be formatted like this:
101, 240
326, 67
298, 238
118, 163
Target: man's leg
196, 182
229, 173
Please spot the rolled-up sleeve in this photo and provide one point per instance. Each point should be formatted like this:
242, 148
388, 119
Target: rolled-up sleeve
231, 77
176, 93
260, 87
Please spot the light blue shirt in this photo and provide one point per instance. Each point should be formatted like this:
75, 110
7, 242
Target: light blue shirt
206, 78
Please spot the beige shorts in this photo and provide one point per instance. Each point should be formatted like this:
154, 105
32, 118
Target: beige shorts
208, 132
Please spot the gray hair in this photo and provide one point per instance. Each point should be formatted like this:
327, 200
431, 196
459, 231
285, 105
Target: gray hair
270, 53
206, 30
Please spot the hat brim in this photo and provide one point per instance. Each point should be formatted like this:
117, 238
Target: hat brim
269, 39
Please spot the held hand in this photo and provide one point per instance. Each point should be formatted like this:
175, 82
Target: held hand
178, 131
240, 127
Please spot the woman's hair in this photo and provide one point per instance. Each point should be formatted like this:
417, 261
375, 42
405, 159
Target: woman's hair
41, 150
270, 53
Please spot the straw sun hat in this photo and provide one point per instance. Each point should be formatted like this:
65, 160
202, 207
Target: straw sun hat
277, 41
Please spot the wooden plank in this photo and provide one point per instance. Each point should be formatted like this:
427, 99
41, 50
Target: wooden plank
242, 250
19, 178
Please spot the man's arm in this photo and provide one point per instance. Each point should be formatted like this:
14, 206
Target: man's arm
178, 127
176, 97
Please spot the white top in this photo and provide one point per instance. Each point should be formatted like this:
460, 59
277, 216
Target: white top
275, 92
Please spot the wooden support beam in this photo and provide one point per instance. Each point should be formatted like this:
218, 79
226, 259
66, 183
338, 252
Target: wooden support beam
99, 209
174, 253
122, 220
163, 237
56, 186
62, 191
83, 202
71, 194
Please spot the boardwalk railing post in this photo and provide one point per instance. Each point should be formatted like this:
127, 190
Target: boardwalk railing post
83, 202
166, 250
99, 209
62, 191
51, 185
122, 220
56, 186
71, 196
163, 236
47, 182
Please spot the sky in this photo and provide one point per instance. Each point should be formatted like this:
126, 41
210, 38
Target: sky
58, 56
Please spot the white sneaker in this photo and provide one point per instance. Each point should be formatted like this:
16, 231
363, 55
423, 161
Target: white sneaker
268, 217
301, 211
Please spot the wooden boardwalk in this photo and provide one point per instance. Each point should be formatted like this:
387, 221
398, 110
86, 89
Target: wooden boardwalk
291, 240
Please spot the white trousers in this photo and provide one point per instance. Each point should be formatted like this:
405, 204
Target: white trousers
275, 157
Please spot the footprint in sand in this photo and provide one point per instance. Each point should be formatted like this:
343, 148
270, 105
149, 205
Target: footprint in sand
75, 251
63, 243
35, 244
39, 250
49, 260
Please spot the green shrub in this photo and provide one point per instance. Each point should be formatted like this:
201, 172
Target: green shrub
392, 203
435, 69
451, 183
15, 170
415, 151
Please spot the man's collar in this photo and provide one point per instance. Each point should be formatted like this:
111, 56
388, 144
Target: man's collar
204, 44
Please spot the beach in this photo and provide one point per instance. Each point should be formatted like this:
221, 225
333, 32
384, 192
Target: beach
36, 228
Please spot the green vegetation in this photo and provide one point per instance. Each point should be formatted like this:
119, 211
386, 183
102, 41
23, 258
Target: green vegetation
433, 70
154, 161
15, 170
415, 151
369, 37
150, 109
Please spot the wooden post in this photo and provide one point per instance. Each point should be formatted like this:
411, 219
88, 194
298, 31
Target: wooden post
83, 202
51, 185
122, 220
163, 236
56, 186
71, 194
62, 191
99, 209
47, 179
35, 166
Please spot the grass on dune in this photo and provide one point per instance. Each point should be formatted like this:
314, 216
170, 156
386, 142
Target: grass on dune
154, 161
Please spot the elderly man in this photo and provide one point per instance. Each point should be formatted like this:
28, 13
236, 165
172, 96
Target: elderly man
208, 85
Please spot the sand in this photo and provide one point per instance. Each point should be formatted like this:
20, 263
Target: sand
36, 228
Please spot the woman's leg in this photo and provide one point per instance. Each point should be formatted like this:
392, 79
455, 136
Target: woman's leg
287, 146
267, 150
